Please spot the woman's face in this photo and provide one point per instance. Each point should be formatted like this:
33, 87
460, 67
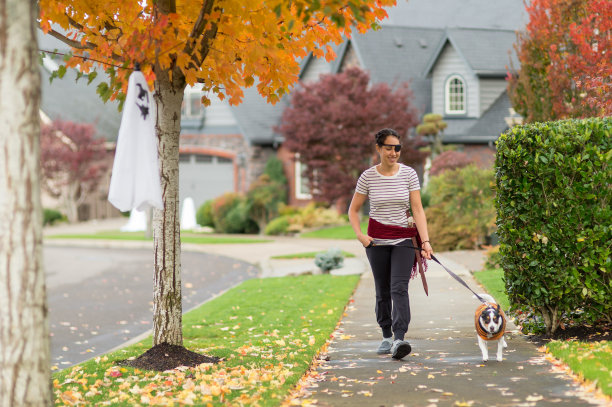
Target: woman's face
387, 152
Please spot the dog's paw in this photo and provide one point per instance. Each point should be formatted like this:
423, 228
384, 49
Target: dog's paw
485, 360
499, 358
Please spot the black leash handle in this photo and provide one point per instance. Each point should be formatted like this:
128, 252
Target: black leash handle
453, 275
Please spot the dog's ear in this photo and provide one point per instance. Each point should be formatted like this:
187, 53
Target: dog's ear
498, 308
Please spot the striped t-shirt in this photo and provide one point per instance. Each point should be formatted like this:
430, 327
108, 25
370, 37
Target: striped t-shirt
389, 196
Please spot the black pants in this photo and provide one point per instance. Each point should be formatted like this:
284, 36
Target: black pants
391, 267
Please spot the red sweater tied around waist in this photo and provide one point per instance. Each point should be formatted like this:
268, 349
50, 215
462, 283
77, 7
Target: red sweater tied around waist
379, 230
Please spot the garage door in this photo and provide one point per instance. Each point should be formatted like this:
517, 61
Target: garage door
203, 177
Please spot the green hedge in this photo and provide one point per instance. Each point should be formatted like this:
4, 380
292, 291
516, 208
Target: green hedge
554, 219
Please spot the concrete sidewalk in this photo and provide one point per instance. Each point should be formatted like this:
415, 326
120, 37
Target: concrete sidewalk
445, 367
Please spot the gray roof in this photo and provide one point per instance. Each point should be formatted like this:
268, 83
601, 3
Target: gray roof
486, 128
486, 51
72, 100
399, 54
498, 14
257, 118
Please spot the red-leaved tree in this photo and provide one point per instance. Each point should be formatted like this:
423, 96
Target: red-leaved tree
449, 160
72, 161
565, 61
331, 124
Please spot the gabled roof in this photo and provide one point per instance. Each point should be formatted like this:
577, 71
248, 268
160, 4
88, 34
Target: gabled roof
487, 52
257, 118
486, 128
396, 54
72, 100
69, 99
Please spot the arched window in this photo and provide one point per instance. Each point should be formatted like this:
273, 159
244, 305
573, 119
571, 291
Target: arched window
455, 95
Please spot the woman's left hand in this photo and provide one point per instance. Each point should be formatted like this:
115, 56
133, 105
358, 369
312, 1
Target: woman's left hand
427, 250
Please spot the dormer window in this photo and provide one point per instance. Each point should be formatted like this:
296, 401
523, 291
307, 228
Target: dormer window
455, 95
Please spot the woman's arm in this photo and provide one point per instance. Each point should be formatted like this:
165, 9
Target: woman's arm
353, 214
418, 213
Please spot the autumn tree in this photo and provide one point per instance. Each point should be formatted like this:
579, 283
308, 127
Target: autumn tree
331, 125
73, 161
564, 53
224, 45
24, 330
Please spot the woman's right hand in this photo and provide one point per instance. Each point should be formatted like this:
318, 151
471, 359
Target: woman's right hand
365, 240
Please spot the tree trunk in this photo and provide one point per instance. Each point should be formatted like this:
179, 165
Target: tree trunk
24, 333
551, 320
167, 306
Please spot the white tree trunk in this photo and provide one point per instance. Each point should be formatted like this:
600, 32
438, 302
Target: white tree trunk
167, 301
24, 333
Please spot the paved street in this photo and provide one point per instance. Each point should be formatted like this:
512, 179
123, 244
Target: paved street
101, 297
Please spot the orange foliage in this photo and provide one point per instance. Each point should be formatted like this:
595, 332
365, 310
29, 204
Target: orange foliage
222, 44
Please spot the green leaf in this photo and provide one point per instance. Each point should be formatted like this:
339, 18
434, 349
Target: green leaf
61, 71
91, 77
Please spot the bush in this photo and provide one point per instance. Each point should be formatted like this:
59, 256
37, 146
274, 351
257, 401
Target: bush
449, 160
329, 260
461, 212
267, 193
237, 219
204, 215
554, 219
50, 216
229, 213
278, 226
493, 257
274, 169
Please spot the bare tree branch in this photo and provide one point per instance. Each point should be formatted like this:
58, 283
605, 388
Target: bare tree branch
71, 43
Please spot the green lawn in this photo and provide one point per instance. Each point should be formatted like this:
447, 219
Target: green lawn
492, 280
266, 330
307, 255
590, 360
336, 232
185, 237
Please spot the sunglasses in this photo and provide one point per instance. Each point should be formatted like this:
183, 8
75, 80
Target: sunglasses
396, 147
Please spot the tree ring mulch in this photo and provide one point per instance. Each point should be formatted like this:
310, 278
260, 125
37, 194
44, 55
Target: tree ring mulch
164, 356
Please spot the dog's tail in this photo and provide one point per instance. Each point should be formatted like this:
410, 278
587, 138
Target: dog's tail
488, 298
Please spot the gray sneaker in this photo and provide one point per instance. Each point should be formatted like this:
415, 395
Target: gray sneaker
400, 348
385, 346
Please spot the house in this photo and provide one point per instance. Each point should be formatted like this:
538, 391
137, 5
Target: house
454, 53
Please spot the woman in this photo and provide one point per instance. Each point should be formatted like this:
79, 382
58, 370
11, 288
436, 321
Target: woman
393, 191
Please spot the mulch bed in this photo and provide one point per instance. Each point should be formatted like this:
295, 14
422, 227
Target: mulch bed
578, 333
166, 357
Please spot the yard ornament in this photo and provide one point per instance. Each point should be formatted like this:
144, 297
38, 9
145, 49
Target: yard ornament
135, 180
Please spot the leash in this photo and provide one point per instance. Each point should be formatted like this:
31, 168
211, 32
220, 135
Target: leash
455, 276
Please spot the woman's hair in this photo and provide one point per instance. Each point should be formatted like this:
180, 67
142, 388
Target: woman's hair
382, 135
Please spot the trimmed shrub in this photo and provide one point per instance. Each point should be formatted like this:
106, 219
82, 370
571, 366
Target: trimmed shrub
223, 207
50, 216
554, 219
461, 211
277, 226
204, 215
329, 260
